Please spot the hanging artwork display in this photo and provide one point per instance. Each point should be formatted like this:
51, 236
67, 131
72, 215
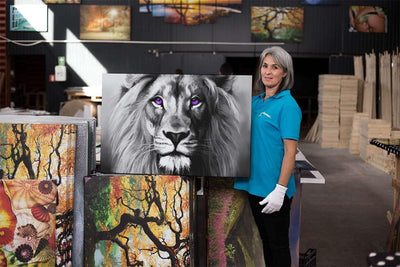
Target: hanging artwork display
138, 221
367, 19
62, 1
176, 124
277, 24
105, 22
320, 2
28, 17
190, 12
37, 163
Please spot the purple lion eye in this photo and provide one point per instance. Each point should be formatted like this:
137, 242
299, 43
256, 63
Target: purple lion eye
195, 101
158, 101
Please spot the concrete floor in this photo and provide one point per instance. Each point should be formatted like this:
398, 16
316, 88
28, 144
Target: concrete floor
345, 218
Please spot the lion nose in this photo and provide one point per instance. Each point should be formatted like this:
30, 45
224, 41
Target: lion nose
176, 137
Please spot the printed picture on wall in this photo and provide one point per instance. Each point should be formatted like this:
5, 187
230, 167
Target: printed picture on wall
176, 124
187, 12
138, 221
28, 17
62, 1
367, 19
277, 24
320, 2
105, 22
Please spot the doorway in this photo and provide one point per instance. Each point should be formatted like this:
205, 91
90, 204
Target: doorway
27, 81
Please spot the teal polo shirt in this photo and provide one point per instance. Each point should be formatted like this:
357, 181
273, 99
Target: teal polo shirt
272, 120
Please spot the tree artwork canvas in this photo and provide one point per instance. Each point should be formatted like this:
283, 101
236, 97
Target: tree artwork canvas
138, 220
176, 124
277, 24
105, 22
36, 160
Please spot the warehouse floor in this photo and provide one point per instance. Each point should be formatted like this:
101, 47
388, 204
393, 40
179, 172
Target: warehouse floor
345, 218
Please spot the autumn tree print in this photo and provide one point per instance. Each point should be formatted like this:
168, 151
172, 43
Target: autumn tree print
137, 221
283, 24
36, 151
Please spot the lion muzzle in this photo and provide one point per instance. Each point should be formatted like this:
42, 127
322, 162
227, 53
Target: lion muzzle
175, 164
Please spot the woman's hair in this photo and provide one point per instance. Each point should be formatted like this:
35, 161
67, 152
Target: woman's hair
284, 60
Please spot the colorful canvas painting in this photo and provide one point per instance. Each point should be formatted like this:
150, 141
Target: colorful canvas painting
28, 17
176, 124
277, 24
105, 22
62, 1
233, 238
43, 152
27, 222
319, 2
138, 221
367, 19
188, 12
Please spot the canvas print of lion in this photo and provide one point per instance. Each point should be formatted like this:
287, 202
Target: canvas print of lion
176, 124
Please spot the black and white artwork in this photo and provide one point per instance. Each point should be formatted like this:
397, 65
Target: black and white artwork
176, 124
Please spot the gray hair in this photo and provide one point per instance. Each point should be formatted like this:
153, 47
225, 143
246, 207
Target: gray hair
284, 61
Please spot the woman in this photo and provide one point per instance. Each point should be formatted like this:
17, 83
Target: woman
275, 131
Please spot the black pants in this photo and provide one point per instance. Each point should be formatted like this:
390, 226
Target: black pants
274, 232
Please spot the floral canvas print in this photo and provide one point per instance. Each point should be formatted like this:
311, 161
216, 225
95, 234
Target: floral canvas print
137, 221
277, 24
27, 222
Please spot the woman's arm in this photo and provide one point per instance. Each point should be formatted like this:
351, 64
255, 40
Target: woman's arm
290, 149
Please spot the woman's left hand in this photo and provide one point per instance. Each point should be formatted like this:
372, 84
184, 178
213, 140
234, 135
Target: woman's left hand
274, 199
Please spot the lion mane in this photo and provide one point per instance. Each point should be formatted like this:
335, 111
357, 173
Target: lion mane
175, 124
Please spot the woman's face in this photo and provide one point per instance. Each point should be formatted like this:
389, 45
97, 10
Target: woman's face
271, 73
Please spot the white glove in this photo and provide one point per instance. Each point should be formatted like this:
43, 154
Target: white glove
274, 199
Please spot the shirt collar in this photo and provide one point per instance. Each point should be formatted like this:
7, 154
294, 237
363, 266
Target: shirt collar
281, 94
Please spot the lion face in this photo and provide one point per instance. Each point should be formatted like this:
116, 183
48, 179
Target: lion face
173, 124
177, 112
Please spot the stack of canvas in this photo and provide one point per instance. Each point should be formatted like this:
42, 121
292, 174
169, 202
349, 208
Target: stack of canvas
354, 143
44, 159
328, 103
373, 128
369, 93
348, 106
385, 86
396, 90
381, 159
395, 134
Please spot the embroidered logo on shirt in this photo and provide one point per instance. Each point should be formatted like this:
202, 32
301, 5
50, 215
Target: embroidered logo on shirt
264, 113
